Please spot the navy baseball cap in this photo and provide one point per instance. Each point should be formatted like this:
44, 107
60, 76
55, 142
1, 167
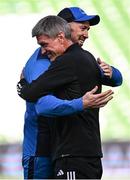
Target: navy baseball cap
75, 14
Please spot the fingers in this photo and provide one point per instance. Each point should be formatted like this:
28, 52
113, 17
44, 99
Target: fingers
104, 101
103, 65
103, 98
19, 88
104, 94
99, 60
91, 100
107, 69
94, 90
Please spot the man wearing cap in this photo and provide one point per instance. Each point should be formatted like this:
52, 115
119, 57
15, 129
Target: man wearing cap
80, 23
70, 171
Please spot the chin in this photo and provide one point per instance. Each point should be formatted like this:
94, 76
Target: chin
81, 44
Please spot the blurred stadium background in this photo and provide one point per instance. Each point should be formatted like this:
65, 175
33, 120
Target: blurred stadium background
109, 41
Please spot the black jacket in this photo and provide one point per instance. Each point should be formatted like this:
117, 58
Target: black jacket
71, 76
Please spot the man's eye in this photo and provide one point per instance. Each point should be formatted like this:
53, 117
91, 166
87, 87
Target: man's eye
85, 28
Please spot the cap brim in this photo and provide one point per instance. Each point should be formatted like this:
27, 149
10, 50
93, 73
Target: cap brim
93, 20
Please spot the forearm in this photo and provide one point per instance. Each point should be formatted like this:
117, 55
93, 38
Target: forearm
58, 75
51, 106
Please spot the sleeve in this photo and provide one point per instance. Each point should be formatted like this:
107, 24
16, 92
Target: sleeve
116, 77
59, 74
50, 106
115, 80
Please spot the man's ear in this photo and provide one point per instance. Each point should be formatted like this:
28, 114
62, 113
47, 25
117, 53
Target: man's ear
61, 36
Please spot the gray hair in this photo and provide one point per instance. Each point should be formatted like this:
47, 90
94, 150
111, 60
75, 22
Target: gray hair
51, 26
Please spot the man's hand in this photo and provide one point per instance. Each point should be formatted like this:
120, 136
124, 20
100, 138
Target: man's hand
92, 100
107, 69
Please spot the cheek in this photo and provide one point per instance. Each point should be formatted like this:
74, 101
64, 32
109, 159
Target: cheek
77, 33
58, 49
80, 32
74, 36
54, 45
55, 48
57, 45
77, 36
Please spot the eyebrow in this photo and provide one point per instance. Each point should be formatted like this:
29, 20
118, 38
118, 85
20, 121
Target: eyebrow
85, 26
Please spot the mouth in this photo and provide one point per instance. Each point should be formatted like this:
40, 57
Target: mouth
81, 42
51, 55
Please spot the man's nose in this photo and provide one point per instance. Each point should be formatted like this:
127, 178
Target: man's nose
43, 51
85, 34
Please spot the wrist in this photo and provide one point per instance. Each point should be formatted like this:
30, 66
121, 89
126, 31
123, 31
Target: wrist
85, 103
